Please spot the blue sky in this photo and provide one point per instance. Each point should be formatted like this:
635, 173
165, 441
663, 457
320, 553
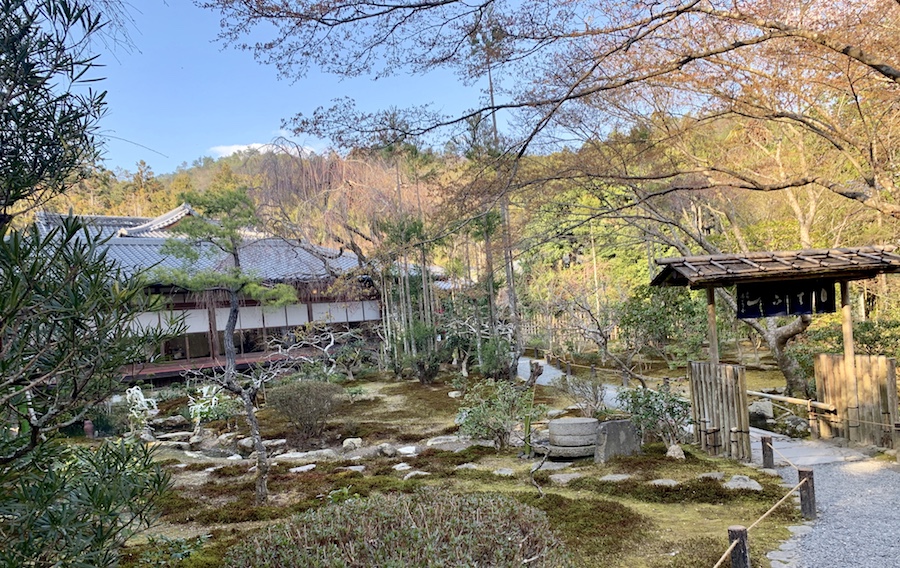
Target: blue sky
178, 95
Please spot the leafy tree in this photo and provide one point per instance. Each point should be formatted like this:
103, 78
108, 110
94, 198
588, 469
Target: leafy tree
48, 116
227, 216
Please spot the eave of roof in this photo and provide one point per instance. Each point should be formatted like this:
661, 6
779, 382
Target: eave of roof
721, 270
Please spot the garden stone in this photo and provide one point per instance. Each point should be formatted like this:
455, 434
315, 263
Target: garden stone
245, 443
664, 482
455, 394
402, 466
387, 450
273, 444
175, 437
314, 455
468, 465
504, 472
356, 468
675, 452
570, 452
234, 457
416, 473
742, 482
572, 427
408, 451
616, 438
616, 477
147, 437
226, 439
438, 440
713, 475
555, 413
303, 468
564, 478
365, 452
351, 444
769, 472
176, 421
796, 427
550, 466
762, 408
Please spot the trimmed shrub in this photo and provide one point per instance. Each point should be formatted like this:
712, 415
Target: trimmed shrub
428, 528
306, 404
491, 409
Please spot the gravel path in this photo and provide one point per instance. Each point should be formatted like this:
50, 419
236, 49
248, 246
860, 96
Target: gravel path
858, 518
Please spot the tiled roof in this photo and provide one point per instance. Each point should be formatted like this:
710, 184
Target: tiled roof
136, 244
727, 269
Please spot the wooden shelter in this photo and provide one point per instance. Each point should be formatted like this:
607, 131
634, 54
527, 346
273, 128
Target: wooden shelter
781, 284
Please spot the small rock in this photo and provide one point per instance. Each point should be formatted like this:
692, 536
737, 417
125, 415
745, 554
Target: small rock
409, 451
504, 472
234, 457
762, 408
245, 443
402, 466
616, 477
892, 453
563, 478
468, 465
176, 421
147, 437
664, 482
714, 475
438, 440
555, 413
416, 473
275, 444
226, 439
769, 472
742, 482
303, 468
455, 394
356, 468
351, 444
675, 452
387, 450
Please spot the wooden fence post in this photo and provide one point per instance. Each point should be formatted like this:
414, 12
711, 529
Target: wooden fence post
568, 369
768, 454
740, 554
807, 493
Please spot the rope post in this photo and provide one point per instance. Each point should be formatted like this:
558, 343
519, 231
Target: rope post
568, 369
740, 554
593, 373
768, 455
807, 493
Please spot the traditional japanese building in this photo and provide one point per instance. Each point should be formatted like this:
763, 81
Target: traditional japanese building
136, 244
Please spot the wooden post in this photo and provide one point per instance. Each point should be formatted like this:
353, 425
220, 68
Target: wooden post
768, 454
740, 554
807, 493
711, 324
568, 369
849, 365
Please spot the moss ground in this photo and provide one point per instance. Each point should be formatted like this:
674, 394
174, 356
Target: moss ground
630, 524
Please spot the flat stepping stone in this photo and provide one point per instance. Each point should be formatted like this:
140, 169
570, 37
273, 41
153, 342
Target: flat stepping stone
742, 482
175, 437
410, 451
550, 466
564, 478
468, 465
572, 451
303, 468
314, 455
800, 530
504, 472
616, 477
714, 475
664, 483
356, 468
402, 466
415, 473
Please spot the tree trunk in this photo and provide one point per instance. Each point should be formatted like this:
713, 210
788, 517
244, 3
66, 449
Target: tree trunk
262, 462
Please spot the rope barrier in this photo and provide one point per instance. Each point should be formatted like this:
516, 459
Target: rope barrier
776, 505
727, 553
789, 462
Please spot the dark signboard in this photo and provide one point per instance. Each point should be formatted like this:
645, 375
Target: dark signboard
785, 298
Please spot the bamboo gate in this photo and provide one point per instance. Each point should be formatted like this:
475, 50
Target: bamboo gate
719, 409
866, 401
